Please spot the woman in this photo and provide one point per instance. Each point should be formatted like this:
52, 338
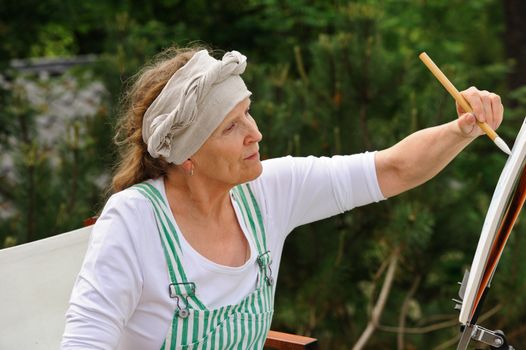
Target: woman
186, 252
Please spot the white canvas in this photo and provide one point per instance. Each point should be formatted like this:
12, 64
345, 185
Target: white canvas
502, 195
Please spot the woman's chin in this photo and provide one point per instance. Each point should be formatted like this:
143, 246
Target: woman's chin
254, 172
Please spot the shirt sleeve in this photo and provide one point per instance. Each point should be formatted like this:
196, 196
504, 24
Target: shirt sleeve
109, 284
297, 191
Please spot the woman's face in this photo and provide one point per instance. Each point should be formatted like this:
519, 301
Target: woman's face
231, 154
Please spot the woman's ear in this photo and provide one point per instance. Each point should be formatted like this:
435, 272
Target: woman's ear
188, 167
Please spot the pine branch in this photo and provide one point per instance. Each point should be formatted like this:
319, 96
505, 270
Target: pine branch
380, 303
403, 311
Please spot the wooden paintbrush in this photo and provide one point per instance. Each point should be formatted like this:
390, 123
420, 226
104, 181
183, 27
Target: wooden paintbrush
462, 101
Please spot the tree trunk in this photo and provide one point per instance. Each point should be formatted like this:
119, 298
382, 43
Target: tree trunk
515, 40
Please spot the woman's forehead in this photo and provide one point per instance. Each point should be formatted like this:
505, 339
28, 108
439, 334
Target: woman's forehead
239, 108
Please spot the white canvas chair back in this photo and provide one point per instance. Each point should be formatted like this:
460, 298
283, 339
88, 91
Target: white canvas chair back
36, 280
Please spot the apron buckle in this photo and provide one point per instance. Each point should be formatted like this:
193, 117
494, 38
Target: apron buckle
182, 290
270, 280
183, 313
264, 262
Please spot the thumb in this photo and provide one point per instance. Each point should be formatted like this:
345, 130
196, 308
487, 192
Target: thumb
467, 124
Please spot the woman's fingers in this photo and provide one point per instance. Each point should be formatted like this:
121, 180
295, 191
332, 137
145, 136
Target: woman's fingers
498, 110
473, 96
487, 106
467, 125
489, 117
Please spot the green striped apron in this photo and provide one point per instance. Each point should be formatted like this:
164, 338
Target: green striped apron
241, 326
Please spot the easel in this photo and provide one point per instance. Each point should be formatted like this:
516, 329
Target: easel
505, 207
471, 331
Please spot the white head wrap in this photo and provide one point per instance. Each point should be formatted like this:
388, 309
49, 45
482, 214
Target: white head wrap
192, 104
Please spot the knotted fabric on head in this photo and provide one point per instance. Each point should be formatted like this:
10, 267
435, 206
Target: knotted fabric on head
192, 104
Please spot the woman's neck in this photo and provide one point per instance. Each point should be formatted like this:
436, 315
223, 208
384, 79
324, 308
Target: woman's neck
196, 197
207, 219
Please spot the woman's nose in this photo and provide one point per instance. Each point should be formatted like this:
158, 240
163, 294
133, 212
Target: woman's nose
254, 135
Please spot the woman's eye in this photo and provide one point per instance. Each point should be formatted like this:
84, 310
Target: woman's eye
247, 112
230, 127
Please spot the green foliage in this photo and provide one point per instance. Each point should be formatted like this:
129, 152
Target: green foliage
336, 77
53, 184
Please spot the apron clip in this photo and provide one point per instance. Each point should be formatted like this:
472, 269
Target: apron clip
182, 291
264, 262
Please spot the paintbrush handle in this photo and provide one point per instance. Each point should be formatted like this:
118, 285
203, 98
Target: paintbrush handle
455, 93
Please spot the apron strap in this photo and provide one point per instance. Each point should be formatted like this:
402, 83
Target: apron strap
180, 288
254, 220
251, 215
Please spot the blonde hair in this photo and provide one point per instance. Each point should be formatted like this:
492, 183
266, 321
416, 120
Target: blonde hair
135, 163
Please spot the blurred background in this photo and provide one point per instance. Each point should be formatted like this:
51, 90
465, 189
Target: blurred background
328, 77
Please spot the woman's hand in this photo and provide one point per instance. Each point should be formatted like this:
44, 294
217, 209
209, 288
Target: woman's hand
423, 154
486, 106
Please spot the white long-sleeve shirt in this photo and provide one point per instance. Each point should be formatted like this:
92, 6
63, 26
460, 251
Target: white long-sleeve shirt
120, 299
